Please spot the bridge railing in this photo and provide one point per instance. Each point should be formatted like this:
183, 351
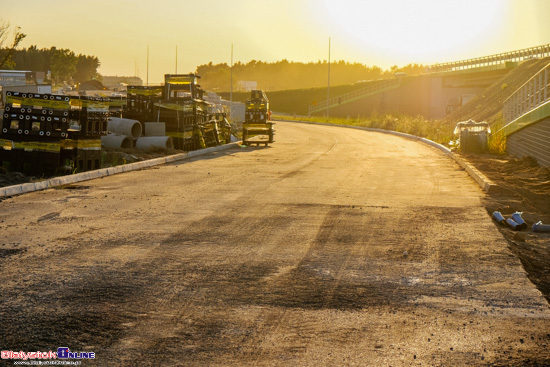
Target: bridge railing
373, 87
533, 93
518, 55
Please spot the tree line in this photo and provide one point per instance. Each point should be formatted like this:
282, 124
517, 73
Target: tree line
285, 74
64, 64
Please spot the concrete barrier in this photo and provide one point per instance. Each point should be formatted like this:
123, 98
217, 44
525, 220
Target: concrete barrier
103, 172
483, 181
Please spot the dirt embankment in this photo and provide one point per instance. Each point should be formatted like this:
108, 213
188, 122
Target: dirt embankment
522, 186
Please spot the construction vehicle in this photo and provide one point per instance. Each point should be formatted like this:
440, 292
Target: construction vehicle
257, 129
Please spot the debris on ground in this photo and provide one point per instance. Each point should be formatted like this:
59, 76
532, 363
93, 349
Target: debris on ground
13, 178
522, 194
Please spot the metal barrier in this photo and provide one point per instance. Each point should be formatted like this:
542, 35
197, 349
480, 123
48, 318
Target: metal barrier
518, 55
373, 88
533, 93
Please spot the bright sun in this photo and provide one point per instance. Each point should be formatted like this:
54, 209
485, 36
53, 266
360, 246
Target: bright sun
421, 30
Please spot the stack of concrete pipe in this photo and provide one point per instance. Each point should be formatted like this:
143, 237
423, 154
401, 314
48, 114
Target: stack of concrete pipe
155, 137
126, 133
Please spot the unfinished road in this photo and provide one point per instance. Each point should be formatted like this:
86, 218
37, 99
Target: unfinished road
331, 247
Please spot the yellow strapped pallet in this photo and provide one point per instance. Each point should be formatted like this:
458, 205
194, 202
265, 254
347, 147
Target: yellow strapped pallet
38, 102
80, 103
140, 91
6, 144
29, 146
175, 107
81, 144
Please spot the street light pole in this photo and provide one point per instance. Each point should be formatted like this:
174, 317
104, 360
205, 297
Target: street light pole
231, 82
328, 81
231, 76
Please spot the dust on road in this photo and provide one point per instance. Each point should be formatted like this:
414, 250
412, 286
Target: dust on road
330, 247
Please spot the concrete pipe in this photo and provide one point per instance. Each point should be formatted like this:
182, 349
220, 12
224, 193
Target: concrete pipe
154, 128
127, 127
154, 143
116, 141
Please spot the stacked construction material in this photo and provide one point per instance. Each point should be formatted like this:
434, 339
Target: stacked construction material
140, 102
155, 137
117, 104
46, 133
122, 133
126, 133
180, 104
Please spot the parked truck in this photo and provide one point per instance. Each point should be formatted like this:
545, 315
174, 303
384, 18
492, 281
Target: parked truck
257, 127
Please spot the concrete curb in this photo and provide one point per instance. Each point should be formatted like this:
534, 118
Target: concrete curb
483, 181
103, 172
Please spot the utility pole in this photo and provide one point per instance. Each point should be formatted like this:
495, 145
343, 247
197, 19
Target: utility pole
231, 82
176, 59
328, 82
231, 76
147, 65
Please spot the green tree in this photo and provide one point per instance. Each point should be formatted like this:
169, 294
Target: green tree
9, 40
62, 65
86, 68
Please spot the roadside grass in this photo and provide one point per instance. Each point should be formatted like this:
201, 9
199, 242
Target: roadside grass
497, 140
436, 130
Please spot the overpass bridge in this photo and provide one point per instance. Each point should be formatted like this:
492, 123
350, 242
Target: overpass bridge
440, 89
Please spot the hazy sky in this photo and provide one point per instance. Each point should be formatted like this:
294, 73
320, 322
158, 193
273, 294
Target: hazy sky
374, 32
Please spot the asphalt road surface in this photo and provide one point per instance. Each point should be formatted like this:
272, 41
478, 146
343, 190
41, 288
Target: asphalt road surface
330, 247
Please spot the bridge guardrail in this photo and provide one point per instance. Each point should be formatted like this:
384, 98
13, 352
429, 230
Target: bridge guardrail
517, 55
533, 93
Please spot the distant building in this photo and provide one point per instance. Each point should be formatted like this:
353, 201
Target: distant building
22, 81
247, 85
120, 82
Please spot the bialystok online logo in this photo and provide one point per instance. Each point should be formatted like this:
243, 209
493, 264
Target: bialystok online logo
62, 353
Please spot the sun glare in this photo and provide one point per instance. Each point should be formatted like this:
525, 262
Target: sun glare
423, 30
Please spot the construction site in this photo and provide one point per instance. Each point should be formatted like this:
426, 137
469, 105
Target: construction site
398, 221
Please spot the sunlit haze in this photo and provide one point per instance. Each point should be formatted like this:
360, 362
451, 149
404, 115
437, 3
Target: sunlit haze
380, 33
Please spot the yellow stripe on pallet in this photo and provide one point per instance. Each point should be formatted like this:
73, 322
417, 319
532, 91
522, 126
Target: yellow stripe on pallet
6, 144
37, 145
144, 92
90, 104
175, 107
87, 144
257, 126
47, 103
